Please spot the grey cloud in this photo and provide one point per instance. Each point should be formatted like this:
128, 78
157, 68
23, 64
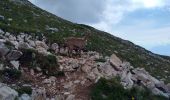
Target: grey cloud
80, 11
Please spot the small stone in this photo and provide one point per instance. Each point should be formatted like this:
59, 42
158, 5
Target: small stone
15, 64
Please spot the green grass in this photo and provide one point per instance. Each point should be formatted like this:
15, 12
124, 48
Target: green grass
112, 90
102, 42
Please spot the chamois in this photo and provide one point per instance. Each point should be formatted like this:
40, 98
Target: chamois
77, 44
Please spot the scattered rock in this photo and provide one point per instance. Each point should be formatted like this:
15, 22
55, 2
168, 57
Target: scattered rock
15, 64
3, 50
6, 93
38, 94
54, 46
86, 68
23, 45
70, 97
14, 55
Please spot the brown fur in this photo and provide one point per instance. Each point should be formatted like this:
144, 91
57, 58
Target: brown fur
74, 43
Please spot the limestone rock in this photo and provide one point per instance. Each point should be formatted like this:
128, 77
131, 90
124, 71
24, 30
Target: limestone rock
25, 97
70, 97
38, 94
15, 64
116, 62
3, 50
23, 45
6, 93
54, 46
14, 55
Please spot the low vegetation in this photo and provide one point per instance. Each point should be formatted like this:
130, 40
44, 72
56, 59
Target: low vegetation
113, 90
24, 90
33, 59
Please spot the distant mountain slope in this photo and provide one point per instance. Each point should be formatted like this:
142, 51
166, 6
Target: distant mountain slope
21, 16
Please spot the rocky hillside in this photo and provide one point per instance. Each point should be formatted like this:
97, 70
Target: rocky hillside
18, 16
31, 69
33, 66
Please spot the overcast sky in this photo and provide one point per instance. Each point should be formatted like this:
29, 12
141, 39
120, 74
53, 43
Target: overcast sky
144, 22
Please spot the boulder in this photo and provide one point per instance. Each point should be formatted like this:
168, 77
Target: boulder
107, 70
40, 44
31, 43
54, 46
23, 45
25, 97
70, 97
115, 62
15, 64
158, 92
6, 93
3, 50
126, 81
14, 55
161, 86
86, 68
12, 38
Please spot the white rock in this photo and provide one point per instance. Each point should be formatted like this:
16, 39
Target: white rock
54, 46
116, 62
40, 44
71, 97
6, 93
25, 97
1, 67
15, 64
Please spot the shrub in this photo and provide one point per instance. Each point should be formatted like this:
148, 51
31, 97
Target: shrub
13, 74
24, 89
100, 60
113, 90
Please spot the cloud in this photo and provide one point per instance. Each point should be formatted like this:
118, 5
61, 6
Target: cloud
107, 15
80, 11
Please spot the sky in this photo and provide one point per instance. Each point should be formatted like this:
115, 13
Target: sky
144, 22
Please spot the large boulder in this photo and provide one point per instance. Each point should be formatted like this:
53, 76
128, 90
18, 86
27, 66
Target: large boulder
23, 45
115, 62
6, 93
161, 86
3, 49
41, 44
14, 55
107, 70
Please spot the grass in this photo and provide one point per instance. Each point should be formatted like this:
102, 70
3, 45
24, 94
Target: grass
102, 42
48, 63
113, 90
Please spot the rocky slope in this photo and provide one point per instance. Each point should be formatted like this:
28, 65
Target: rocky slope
29, 67
31, 62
